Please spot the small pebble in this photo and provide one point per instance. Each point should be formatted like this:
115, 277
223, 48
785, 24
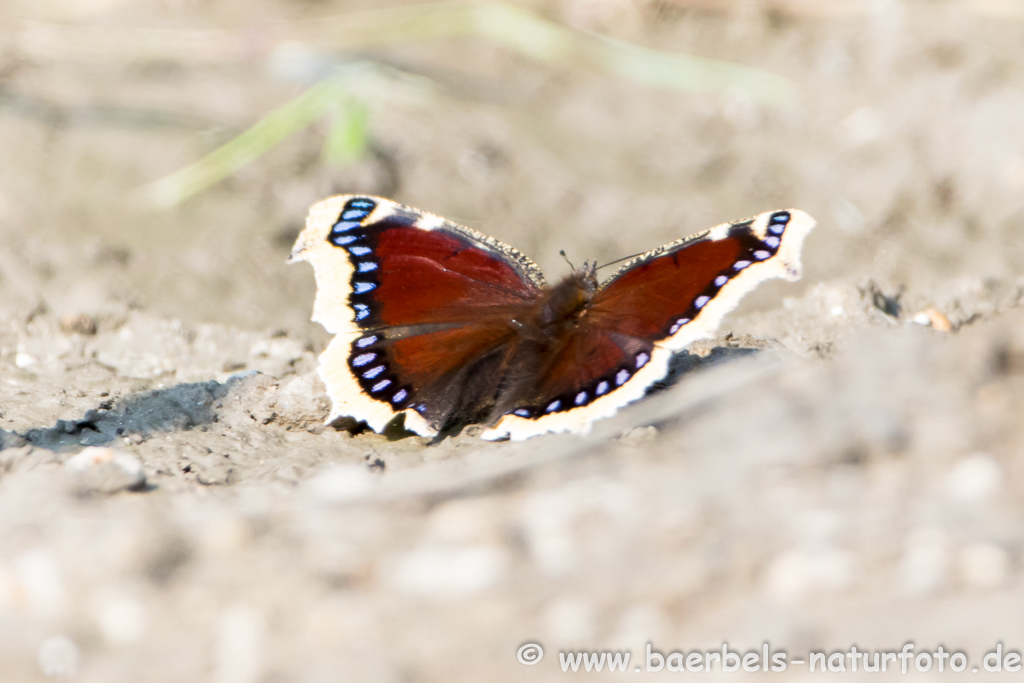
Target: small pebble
78, 323
24, 360
930, 317
104, 470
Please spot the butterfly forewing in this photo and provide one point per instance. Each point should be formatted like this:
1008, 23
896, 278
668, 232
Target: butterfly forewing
414, 299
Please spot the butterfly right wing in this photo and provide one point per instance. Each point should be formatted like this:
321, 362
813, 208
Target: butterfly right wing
655, 305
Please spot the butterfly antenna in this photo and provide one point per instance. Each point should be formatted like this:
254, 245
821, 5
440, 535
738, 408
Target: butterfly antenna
619, 260
562, 252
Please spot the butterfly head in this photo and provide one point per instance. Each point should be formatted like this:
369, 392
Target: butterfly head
588, 275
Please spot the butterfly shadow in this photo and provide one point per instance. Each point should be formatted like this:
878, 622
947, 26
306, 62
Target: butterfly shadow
177, 408
686, 363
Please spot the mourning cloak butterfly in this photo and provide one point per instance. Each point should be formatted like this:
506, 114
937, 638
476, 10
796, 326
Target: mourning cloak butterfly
446, 325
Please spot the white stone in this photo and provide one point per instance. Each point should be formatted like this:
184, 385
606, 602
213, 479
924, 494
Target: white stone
24, 360
105, 470
974, 479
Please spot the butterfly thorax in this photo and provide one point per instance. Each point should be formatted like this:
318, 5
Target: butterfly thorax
562, 305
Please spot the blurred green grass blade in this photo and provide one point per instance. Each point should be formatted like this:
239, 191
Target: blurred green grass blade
686, 72
243, 149
346, 142
536, 37
525, 32
546, 41
512, 27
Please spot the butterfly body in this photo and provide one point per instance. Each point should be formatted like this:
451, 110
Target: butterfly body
446, 325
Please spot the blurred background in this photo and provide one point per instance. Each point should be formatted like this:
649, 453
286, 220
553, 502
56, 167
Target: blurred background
853, 477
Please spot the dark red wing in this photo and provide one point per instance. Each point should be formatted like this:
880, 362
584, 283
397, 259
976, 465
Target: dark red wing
434, 302
418, 276
649, 299
655, 305
635, 309
586, 366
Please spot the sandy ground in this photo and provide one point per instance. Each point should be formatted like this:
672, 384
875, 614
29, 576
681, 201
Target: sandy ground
843, 465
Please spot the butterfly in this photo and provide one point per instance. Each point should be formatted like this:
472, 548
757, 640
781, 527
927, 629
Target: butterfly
445, 325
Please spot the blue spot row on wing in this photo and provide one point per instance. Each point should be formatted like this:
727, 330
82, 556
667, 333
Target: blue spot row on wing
344, 226
777, 223
587, 394
352, 215
357, 209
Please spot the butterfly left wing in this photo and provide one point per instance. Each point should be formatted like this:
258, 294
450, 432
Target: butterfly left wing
653, 306
420, 307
